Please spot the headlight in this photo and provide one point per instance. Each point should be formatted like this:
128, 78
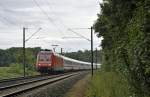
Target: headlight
49, 64
39, 64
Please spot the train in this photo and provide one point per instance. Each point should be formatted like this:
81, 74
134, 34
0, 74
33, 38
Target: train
49, 61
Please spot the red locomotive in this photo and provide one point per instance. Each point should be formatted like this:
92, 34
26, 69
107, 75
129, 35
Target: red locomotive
48, 61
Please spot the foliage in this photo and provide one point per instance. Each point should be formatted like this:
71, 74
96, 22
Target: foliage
84, 55
15, 70
15, 55
11, 62
108, 84
125, 28
5, 58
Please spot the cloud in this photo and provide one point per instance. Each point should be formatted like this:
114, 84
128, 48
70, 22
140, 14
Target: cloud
61, 15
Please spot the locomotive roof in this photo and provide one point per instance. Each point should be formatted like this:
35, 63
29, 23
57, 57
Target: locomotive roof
45, 52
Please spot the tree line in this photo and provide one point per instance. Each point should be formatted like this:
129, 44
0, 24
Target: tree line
125, 28
85, 55
15, 55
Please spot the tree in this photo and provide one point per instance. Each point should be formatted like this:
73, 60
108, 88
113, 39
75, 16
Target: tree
124, 26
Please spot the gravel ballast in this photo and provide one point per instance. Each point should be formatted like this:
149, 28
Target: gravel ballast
57, 89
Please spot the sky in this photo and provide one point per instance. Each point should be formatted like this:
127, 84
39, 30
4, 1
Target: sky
54, 17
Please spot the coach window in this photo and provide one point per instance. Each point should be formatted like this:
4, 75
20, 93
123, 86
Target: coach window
67, 62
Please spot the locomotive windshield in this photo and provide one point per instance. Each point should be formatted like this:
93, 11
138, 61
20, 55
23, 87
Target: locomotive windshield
44, 57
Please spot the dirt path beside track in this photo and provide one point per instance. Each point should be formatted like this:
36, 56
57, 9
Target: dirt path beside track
80, 88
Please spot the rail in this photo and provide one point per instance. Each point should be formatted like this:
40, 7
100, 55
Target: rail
15, 89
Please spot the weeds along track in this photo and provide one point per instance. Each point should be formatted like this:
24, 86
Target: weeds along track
8, 89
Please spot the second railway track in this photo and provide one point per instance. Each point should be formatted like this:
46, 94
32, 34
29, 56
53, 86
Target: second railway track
17, 88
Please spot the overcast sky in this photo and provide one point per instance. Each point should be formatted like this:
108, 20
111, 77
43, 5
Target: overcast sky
54, 17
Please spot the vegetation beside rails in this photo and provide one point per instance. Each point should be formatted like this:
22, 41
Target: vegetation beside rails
108, 84
15, 70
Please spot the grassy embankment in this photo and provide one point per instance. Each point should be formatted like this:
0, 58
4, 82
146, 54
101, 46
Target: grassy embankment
108, 84
15, 70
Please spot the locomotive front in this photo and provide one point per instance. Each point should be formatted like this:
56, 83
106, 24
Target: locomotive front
44, 61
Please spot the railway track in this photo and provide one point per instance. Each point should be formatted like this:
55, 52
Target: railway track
14, 81
20, 86
18, 78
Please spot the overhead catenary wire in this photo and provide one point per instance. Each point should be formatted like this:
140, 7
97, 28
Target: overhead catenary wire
53, 13
33, 34
79, 34
51, 8
9, 22
68, 28
48, 17
6, 18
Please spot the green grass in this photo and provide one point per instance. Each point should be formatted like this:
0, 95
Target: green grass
5, 73
108, 84
15, 70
